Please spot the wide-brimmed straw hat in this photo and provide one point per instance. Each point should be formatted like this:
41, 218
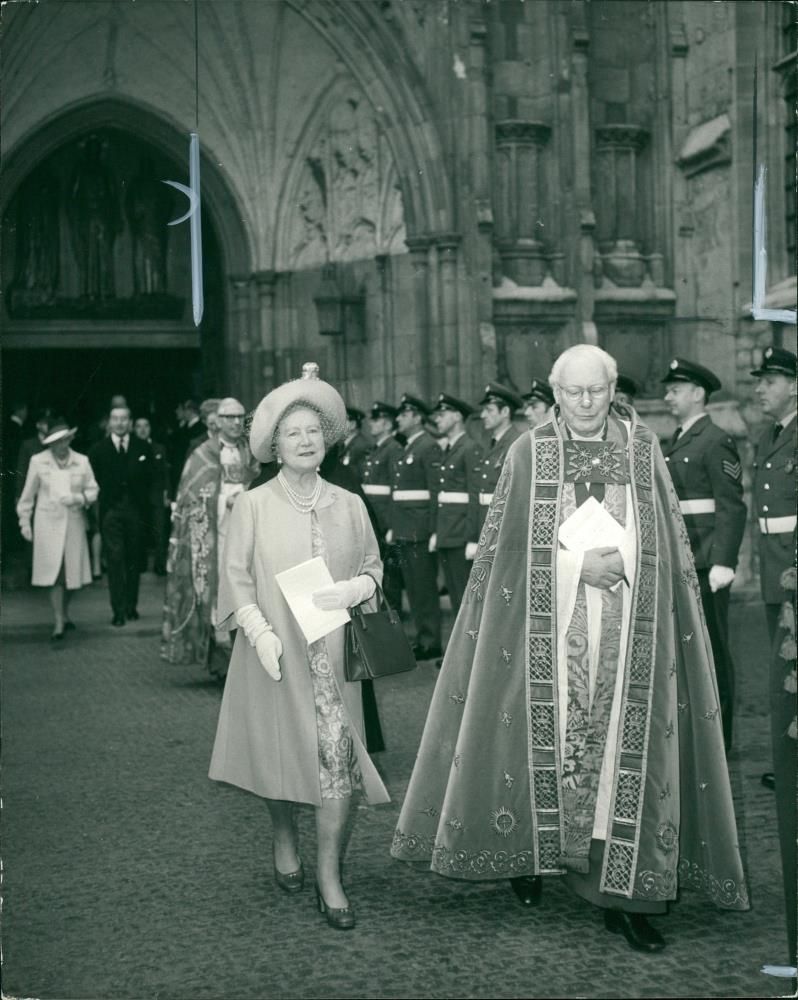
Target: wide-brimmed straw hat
309, 389
59, 430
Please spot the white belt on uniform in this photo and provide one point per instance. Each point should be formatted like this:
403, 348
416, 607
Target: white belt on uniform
777, 525
447, 496
411, 494
485, 499
697, 506
373, 490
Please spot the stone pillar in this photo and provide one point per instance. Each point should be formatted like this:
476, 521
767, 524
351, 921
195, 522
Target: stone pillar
239, 350
419, 255
617, 149
580, 124
518, 151
263, 375
447, 372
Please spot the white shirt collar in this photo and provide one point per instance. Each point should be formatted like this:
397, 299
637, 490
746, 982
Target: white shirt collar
786, 421
453, 441
498, 435
687, 424
413, 437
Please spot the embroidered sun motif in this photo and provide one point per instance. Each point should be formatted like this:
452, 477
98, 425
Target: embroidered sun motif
504, 822
667, 837
506, 594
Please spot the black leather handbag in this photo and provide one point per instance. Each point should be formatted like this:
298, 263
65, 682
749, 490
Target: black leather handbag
375, 644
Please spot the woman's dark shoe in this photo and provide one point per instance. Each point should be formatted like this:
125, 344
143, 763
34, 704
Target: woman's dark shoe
290, 882
342, 918
528, 888
57, 635
69, 626
638, 932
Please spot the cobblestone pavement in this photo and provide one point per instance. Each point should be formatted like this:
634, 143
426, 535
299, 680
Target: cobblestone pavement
127, 873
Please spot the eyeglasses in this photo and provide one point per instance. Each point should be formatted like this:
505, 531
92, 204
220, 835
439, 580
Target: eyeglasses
230, 416
574, 393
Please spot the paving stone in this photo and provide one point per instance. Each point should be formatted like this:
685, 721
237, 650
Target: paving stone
128, 874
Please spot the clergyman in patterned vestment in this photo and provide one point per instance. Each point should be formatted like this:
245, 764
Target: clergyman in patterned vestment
574, 730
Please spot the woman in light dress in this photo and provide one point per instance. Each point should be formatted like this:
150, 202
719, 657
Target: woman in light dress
290, 726
59, 487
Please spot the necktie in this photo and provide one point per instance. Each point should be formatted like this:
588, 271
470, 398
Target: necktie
676, 434
122, 448
492, 442
776, 431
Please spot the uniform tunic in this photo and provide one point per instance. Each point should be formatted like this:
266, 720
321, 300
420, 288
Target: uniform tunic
457, 522
59, 532
378, 472
416, 472
490, 465
707, 475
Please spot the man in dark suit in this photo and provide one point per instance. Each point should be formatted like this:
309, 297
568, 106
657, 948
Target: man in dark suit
414, 499
13, 435
124, 467
774, 500
497, 407
457, 523
159, 499
708, 478
356, 446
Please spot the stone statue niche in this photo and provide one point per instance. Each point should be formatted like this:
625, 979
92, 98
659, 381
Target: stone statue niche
38, 241
94, 221
148, 207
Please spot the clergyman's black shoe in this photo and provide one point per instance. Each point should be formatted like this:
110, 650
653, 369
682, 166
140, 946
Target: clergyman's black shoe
769, 780
117, 620
528, 888
638, 932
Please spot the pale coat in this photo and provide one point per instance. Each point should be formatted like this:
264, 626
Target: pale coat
266, 739
59, 532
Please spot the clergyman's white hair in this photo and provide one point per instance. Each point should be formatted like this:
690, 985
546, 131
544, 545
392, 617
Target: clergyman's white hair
587, 351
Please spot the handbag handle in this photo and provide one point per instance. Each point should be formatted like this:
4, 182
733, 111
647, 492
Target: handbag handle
355, 609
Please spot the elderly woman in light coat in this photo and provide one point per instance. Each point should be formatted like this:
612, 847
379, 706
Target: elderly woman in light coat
290, 727
59, 487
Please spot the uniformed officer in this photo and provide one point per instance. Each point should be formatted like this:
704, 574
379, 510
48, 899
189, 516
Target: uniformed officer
626, 390
356, 446
412, 518
378, 475
537, 402
497, 407
457, 524
774, 499
708, 478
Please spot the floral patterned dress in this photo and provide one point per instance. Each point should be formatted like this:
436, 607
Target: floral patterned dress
339, 771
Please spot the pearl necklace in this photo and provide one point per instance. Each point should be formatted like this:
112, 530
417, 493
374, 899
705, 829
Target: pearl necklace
303, 504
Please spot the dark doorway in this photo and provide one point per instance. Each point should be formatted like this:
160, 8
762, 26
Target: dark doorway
80, 382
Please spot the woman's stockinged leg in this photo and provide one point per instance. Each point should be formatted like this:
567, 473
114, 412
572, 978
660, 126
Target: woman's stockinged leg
57, 604
331, 819
286, 853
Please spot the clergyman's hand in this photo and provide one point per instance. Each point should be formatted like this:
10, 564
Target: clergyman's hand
602, 567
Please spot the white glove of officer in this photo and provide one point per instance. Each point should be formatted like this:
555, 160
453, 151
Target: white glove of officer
720, 577
27, 532
471, 550
344, 594
432, 544
260, 635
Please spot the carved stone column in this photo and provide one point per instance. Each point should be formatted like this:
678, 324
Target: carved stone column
419, 255
239, 349
518, 153
617, 148
448, 369
263, 374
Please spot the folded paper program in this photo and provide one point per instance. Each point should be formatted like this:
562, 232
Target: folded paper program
590, 526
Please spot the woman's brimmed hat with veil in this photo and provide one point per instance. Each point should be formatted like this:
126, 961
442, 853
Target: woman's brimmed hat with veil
310, 391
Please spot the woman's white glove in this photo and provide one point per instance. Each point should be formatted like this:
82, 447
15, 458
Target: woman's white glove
260, 635
269, 650
471, 550
345, 594
27, 532
720, 577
